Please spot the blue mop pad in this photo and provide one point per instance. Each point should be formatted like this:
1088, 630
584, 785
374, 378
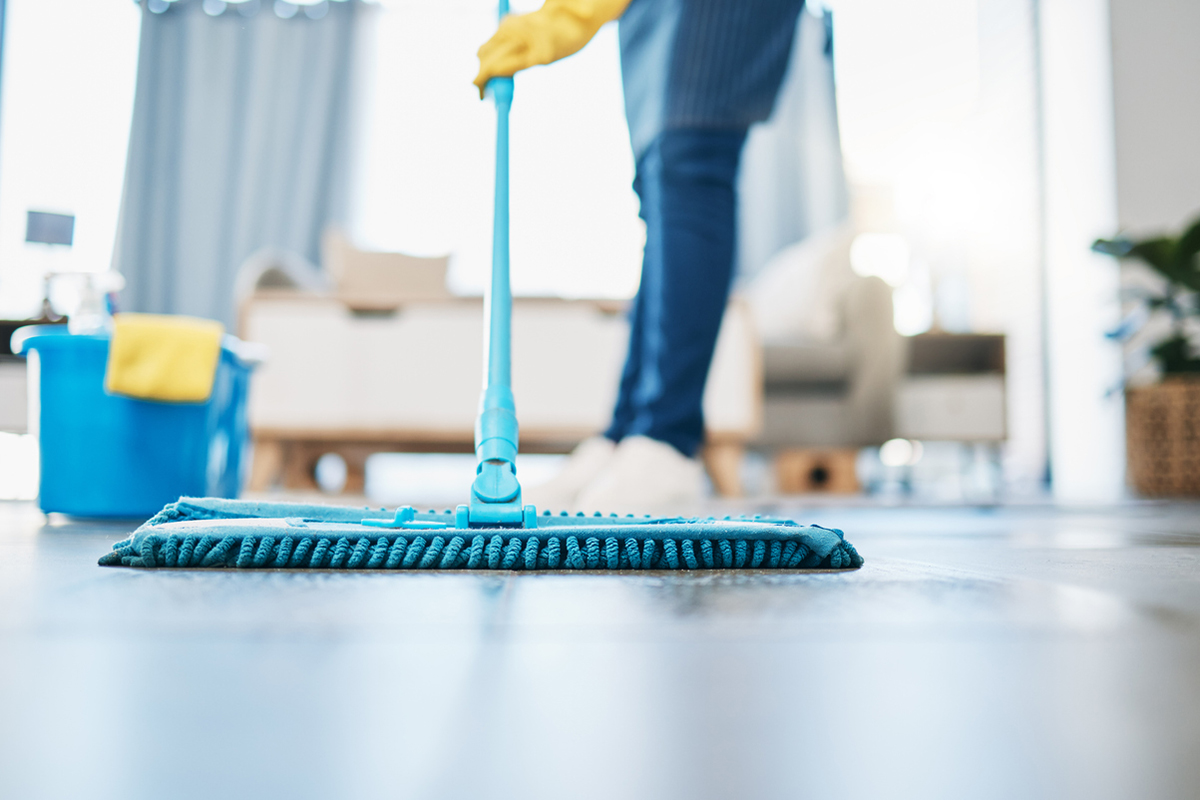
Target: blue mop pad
221, 534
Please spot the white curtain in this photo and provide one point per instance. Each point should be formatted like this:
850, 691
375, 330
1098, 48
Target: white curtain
792, 183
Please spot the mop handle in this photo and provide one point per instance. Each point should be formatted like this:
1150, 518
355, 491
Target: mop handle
496, 430
499, 300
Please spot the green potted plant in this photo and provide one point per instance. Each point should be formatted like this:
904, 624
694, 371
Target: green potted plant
1163, 419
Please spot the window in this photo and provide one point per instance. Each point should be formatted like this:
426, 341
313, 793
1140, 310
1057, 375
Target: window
424, 181
69, 74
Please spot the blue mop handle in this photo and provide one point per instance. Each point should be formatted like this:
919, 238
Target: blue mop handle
496, 434
498, 303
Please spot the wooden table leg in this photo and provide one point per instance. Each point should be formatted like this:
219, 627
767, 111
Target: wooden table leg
300, 460
724, 463
356, 468
266, 466
802, 470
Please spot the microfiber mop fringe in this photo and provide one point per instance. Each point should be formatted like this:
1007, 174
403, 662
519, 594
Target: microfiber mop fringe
456, 551
563, 543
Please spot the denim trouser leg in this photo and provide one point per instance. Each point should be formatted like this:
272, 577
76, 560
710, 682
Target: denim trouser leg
685, 181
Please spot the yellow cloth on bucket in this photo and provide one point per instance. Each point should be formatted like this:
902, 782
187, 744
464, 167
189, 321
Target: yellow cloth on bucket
160, 357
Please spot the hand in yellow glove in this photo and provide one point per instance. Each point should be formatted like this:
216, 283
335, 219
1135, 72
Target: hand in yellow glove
556, 30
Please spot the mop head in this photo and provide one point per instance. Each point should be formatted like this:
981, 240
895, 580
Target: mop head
208, 533
212, 533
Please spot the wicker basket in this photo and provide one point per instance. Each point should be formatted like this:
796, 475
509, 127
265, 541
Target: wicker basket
1162, 430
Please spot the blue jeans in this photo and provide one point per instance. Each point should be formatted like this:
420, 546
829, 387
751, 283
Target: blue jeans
686, 183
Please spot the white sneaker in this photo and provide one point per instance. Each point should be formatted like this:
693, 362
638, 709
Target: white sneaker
645, 476
586, 461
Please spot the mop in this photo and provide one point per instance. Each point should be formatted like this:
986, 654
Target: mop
491, 531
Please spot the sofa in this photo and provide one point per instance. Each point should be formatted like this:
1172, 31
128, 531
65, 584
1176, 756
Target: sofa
832, 360
838, 393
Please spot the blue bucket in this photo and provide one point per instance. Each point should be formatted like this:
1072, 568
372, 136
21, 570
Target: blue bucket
105, 455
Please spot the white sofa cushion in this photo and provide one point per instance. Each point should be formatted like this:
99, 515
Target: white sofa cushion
420, 369
797, 295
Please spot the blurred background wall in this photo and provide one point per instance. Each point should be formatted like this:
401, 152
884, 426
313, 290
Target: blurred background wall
1157, 112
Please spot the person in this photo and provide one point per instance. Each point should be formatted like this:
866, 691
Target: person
697, 74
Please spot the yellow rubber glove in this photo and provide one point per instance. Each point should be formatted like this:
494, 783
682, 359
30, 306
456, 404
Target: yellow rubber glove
556, 30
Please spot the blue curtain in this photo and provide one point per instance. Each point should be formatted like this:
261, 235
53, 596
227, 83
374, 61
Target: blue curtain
792, 183
239, 141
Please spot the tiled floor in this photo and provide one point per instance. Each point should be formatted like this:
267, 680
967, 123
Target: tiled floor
1009, 653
